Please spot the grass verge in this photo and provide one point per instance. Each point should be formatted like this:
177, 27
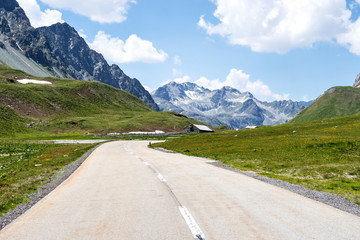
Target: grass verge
24, 167
322, 155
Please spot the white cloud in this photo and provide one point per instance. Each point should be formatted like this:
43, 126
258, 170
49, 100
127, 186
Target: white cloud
239, 80
177, 61
104, 11
305, 99
182, 79
279, 25
350, 39
176, 72
134, 49
37, 17
147, 88
210, 84
82, 33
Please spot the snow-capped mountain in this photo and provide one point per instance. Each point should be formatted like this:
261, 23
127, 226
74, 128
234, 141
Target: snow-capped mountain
226, 106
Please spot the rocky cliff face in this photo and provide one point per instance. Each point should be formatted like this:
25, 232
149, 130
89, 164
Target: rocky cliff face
61, 50
226, 106
357, 81
12, 18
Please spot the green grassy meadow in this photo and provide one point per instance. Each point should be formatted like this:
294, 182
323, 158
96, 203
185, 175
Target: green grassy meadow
322, 155
24, 167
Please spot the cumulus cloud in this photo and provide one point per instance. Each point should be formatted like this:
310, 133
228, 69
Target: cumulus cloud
239, 80
37, 17
104, 11
134, 49
280, 25
350, 39
210, 84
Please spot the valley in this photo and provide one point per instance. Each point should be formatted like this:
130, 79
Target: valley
54, 86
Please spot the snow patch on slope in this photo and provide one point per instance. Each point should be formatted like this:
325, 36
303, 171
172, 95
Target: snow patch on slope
26, 81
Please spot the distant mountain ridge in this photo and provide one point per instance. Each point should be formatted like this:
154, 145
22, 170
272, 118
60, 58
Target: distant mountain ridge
59, 51
226, 106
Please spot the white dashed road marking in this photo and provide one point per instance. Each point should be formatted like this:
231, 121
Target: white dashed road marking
161, 177
190, 221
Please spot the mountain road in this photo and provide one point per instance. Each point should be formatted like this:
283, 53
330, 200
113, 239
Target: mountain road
125, 190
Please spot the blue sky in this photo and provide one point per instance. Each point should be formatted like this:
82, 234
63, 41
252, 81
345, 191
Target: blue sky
280, 49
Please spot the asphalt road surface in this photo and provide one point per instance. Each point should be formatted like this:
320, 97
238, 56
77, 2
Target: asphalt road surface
125, 190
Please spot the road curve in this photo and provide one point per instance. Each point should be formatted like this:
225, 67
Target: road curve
125, 190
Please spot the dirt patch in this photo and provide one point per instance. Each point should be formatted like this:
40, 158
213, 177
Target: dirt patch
24, 109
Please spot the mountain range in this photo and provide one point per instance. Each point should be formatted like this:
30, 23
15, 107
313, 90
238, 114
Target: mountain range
226, 106
58, 51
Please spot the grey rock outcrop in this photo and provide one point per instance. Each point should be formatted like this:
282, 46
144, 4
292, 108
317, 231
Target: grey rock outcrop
357, 81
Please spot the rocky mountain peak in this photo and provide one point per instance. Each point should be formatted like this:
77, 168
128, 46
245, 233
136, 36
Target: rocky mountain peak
9, 5
61, 30
228, 88
13, 19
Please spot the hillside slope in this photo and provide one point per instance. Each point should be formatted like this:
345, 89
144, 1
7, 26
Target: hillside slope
335, 102
75, 106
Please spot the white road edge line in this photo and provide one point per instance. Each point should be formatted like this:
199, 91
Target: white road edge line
146, 163
190, 221
161, 177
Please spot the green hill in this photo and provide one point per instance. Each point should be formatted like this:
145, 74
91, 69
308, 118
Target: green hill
74, 106
335, 102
